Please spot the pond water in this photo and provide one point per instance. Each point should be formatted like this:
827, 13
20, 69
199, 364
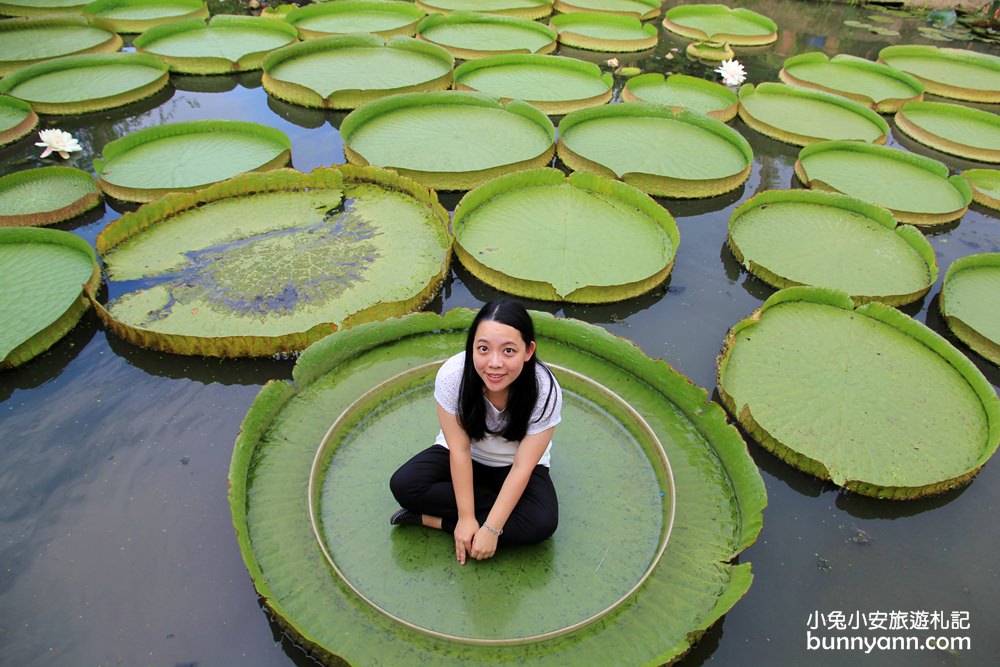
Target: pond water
116, 544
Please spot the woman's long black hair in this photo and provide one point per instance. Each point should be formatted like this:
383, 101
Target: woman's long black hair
523, 391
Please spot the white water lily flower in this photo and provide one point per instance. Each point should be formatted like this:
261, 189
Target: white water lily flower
58, 141
612, 62
732, 72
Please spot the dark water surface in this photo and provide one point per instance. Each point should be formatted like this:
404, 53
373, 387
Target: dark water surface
116, 545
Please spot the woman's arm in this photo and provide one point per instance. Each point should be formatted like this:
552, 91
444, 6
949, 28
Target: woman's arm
460, 458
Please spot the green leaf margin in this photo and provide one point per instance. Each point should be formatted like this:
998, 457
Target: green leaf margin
568, 7
954, 112
986, 347
100, 9
942, 88
110, 45
22, 128
459, 18
886, 105
673, 21
406, 10
80, 205
726, 96
27, 10
537, 9
563, 24
985, 184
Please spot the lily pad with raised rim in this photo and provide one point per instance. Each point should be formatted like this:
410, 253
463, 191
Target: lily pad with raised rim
34, 40
682, 154
952, 128
604, 32
970, 302
719, 23
713, 51
470, 35
525, 9
985, 185
449, 140
554, 84
356, 374
584, 239
17, 119
269, 262
954, 73
45, 196
680, 91
380, 17
916, 189
44, 271
640, 9
31, 8
878, 86
347, 71
223, 45
822, 239
91, 82
865, 397
139, 15
180, 157
800, 117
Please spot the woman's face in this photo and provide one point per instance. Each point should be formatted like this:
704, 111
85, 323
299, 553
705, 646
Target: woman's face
499, 353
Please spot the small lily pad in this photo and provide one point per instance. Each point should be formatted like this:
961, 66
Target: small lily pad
970, 302
604, 32
680, 91
720, 23
470, 35
955, 73
714, 51
880, 87
17, 119
140, 15
34, 40
985, 185
525, 9
952, 128
380, 17
45, 196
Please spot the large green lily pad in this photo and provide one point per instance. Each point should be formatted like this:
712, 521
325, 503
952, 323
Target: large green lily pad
554, 84
582, 238
269, 262
356, 374
954, 73
44, 271
865, 397
640, 9
985, 185
380, 17
17, 119
823, 239
719, 23
878, 86
45, 196
31, 8
705, 157
801, 117
140, 15
916, 189
525, 9
952, 128
180, 157
346, 71
604, 32
448, 140
680, 91
970, 302
34, 40
471, 35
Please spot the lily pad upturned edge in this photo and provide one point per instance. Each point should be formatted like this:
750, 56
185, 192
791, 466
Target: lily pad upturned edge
943, 88
985, 184
467, 53
954, 113
886, 105
563, 24
673, 21
569, 6
728, 99
407, 11
81, 204
985, 347
104, 10
22, 128
110, 45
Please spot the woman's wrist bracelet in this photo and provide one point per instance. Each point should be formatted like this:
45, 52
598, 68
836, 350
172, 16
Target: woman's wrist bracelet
496, 532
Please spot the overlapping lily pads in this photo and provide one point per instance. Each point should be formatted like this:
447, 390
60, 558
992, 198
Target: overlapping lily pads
954, 73
680, 91
640, 9
269, 262
379, 17
719, 23
45, 196
223, 45
17, 119
719, 498
916, 189
34, 40
604, 32
32, 8
952, 128
525, 9
554, 84
346, 71
180, 157
80, 84
970, 302
878, 86
582, 238
682, 154
471, 35
863, 396
139, 15
822, 239
801, 117
448, 140
985, 185
44, 271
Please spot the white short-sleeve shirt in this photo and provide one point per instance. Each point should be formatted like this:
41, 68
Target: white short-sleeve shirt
495, 450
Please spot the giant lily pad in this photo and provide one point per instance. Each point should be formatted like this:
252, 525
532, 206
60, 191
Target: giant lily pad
346, 71
640, 9
448, 140
223, 45
582, 238
985, 185
865, 397
562, 602
680, 91
804, 237
719, 23
970, 302
34, 40
604, 32
554, 84
179, 157
17, 119
682, 154
45, 196
952, 128
525, 9
40, 7
269, 262
801, 117
139, 15
43, 271
471, 35
379, 17
79, 84
954, 73
916, 189
880, 87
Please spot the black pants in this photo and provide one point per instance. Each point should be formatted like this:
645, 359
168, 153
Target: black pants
423, 485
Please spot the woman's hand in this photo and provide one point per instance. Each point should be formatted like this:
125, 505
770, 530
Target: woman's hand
484, 544
465, 532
